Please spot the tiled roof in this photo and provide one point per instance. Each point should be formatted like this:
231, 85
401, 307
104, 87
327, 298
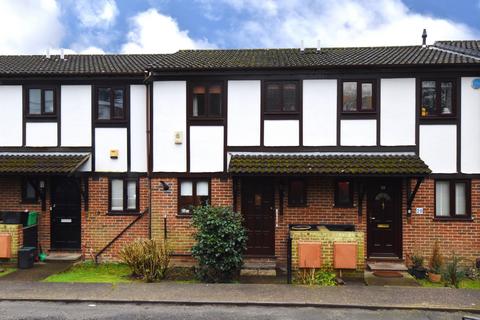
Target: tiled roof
467, 47
117, 64
294, 58
41, 163
349, 164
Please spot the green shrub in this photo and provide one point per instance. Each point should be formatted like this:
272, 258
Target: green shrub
453, 272
311, 276
220, 241
147, 259
436, 261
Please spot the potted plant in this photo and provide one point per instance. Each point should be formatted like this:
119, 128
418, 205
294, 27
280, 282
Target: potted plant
436, 262
417, 269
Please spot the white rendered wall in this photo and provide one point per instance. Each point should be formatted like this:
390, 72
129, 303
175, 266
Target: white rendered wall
438, 147
76, 115
397, 115
41, 134
11, 116
138, 128
281, 133
470, 127
358, 132
206, 148
244, 113
169, 116
320, 112
107, 139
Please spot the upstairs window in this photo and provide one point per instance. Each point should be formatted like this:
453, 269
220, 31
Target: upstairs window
41, 102
124, 195
281, 97
192, 193
297, 193
207, 101
452, 198
111, 104
437, 98
343, 193
358, 96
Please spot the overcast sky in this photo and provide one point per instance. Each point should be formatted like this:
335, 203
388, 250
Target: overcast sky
163, 26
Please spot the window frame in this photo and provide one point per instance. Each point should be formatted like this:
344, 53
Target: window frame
351, 190
438, 116
24, 190
125, 210
304, 191
468, 199
207, 84
280, 114
194, 193
359, 111
43, 116
126, 104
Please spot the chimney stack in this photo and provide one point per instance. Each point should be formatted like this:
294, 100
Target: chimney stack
424, 38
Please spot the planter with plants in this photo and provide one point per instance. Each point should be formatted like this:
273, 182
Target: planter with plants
417, 269
454, 273
436, 262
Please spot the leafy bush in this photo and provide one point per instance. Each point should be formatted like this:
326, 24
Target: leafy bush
453, 272
148, 259
436, 261
311, 276
220, 242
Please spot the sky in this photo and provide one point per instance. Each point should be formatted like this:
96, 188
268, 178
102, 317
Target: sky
165, 26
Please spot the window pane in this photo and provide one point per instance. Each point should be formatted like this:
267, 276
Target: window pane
215, 95
202, 188
367, 90
48, 97
446, 107
349, 96
428, 98
460, 199
118, 107
34, 100
30, 192
442, 198
117, 195
343, 193
274, 99
290, 97
199, 101
186, 188
103, 104
297, 192
132, 195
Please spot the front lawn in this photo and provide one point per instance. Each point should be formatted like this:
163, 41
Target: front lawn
90, 272
7, 270
464, 284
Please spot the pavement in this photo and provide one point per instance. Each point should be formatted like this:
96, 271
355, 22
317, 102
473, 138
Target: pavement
364, 297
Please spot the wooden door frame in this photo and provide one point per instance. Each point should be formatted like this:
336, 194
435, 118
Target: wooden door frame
398, 219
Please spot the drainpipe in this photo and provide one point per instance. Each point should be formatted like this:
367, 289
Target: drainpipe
148, 84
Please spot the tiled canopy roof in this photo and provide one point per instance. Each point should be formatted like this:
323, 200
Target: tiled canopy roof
468, 47
294, 58
328, 164
109, 64
38, 163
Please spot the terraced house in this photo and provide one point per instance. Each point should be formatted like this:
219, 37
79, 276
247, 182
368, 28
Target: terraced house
109, 148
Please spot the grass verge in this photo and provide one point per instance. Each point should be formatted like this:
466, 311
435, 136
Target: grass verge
464, 284
90, 272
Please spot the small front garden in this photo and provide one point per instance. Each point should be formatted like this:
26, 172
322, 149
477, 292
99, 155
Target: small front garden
6, 270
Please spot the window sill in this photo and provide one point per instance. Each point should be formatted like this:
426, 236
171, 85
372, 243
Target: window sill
298, 205
29, 202
41, 118
438, 120
459, 219
351, 206
110, 123
123, 213
184, 216
359, 115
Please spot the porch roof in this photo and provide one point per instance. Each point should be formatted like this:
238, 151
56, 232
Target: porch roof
345, 164
41, 162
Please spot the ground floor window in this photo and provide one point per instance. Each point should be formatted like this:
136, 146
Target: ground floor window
29, 190
124, 195
343, 193
452, 198
192, 193
297, 193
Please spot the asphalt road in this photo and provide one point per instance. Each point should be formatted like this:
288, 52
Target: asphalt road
47, 310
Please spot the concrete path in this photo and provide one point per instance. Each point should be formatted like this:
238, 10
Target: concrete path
248, 294
39, 272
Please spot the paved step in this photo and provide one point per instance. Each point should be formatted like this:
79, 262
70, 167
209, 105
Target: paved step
59, 256
259, 267
386, 266
406, 280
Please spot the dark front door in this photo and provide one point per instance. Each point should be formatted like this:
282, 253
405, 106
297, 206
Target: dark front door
258, 209
65, 214
384, 225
